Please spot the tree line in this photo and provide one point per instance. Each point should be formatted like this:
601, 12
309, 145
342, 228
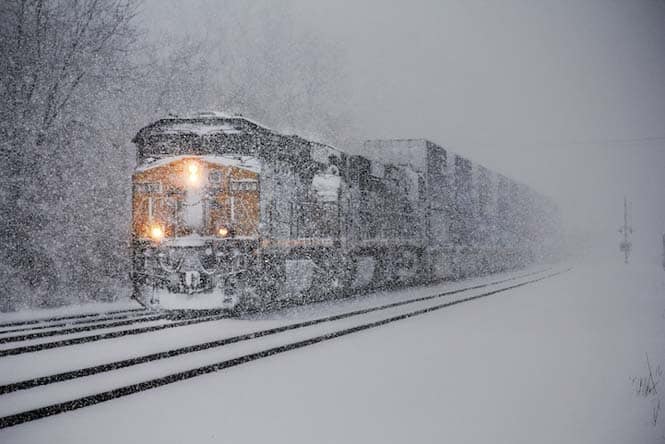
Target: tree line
78, 78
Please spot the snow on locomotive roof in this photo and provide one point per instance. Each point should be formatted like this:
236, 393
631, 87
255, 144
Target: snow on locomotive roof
245, 162
216, 122
210, 118
201, 129
213, 115
203, 114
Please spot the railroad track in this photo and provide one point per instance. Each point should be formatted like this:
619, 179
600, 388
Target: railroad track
63, 318
145, 317
69, 323
102, 336
305, 335
71, 330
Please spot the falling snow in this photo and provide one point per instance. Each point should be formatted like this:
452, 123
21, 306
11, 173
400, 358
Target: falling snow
457, 232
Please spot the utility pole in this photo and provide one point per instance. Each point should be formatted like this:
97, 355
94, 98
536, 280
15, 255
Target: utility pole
625, 245
663, 251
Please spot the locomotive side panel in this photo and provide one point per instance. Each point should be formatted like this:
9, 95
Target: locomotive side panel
303, 224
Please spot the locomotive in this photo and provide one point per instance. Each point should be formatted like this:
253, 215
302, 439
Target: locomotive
230, 214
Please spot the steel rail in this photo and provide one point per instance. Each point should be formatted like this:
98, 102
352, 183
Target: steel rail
60, 318
72, 330
78, 322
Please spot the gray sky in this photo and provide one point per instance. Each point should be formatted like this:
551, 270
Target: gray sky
566, 96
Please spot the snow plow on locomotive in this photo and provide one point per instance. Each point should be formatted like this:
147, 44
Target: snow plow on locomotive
228, 214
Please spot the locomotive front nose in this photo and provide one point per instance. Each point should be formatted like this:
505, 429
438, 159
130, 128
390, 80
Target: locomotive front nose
194, 223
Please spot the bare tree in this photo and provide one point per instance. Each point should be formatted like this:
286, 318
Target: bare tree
58, 57
76, 82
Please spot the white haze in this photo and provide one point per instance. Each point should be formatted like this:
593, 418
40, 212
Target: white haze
567, 97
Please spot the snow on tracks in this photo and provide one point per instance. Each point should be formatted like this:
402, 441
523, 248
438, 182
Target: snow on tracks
160, 324
52, 319
187, 362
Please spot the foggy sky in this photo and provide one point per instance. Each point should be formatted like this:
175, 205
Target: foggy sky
567, 96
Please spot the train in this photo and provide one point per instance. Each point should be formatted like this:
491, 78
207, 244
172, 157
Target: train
229, 214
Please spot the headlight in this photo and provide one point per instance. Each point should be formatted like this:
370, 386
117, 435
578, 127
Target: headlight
194, 177
156, 233
223, 231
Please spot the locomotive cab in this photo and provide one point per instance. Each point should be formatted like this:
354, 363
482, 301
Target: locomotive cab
194, 230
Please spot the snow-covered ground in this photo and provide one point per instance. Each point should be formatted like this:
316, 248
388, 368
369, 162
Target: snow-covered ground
548, 362
69, 310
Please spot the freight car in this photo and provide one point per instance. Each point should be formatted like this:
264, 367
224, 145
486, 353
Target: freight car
229, 214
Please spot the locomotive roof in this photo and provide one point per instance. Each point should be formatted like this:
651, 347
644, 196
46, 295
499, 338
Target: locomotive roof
217, 133
201, 124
